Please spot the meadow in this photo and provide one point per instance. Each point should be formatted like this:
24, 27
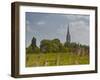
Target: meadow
55, 59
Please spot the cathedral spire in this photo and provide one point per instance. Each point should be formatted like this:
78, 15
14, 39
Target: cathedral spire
68, 38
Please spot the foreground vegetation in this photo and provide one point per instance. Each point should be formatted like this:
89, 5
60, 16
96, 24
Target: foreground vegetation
55, 53
55, 59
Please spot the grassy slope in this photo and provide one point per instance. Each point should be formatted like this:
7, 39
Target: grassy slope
54, 59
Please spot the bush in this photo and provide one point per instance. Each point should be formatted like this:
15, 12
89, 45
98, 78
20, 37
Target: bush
32, 49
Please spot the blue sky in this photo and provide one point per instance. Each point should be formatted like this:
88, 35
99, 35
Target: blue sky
52, 25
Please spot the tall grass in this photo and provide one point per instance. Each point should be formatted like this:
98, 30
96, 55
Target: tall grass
55, 59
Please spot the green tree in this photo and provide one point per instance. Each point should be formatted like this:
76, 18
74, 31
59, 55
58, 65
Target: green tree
45, 46
33, 47
56, 45
50, 45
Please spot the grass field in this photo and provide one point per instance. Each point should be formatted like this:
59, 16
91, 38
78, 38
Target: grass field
55, 59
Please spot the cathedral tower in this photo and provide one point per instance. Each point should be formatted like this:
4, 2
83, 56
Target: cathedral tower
68, 37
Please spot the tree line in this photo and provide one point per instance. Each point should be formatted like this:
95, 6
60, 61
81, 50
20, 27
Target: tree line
55, 46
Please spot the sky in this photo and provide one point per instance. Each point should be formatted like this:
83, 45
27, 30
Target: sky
54, 25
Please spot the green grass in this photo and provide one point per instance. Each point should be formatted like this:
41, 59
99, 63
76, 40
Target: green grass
55, 59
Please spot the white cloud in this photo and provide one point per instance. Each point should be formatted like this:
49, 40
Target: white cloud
27, 22
81, 32
28, 28
62, 30
72, 18
41, 23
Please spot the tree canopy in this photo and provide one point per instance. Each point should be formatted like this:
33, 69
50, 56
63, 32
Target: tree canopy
55, 46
